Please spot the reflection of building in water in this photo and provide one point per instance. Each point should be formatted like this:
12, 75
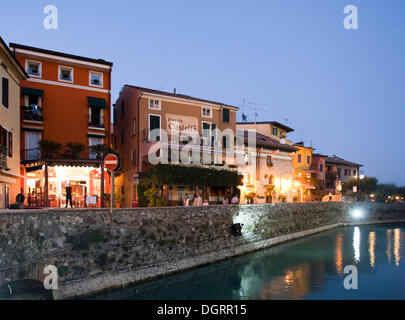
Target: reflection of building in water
389, 247
372, 238
397, 245
338, 253
356, 244
295, 283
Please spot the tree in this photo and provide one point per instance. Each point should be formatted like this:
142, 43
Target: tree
364, 186
49, 148
75, 148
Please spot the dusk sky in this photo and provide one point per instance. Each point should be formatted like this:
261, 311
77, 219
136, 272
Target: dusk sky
343, 90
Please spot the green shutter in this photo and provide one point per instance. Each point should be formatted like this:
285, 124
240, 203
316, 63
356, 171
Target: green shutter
97, 102
154, 122
32, 92
225, 113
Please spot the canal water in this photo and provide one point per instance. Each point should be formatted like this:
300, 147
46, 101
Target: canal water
309, 268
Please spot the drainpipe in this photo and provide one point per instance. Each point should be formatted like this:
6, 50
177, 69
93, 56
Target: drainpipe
139, 144
109, 106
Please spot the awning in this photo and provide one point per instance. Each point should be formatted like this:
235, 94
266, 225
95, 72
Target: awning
97, 102
34, 168
32, 92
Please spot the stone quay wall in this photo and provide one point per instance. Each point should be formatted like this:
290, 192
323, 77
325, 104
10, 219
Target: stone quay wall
95, 250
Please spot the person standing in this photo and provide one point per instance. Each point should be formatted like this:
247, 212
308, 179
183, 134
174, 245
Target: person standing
235, 199
69, 196
20, 199
197, 200
186, 201
206, 203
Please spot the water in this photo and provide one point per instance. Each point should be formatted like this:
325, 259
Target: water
309, 268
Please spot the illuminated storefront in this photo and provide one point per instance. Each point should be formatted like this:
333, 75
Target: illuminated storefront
84, 178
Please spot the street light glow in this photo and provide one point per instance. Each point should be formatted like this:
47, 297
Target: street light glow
357, 213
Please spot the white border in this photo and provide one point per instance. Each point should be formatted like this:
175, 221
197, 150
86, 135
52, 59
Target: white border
39, 68
202, 112
69, 85
160, 104
72, 74
101, 85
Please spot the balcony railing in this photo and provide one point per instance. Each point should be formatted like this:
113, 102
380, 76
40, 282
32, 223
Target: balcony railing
35, 154
96, 122
31, 116
3, 156
31, 154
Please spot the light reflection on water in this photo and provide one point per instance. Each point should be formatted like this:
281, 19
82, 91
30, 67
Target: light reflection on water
310, 268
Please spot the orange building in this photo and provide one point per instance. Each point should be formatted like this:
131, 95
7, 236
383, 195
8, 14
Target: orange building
304, 173
66, 100
140, 110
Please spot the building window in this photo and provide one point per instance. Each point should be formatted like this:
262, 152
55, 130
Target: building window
154, 104
154, 123
308, 159
94, 142
225, 143
96, 79
114, 115
209, 130
122, 108
274, 132
206, 112
4, 92
65, 74
134, 126
339, 173
350, 172
225, 115
268, 161
345, 172
354, 173
33, 68
321, 167
299, 157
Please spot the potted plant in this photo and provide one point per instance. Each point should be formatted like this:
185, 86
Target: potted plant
75, 148
49, 148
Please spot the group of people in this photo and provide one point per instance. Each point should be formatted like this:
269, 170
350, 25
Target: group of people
197, 201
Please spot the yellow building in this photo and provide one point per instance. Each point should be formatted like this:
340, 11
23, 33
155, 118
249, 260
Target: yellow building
11, 73
303, 172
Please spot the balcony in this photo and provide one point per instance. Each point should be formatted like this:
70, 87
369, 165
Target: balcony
3, 156
96, 122
31, 154
32, 113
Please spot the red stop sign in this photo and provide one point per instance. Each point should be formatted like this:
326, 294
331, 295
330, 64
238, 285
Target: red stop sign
111, 162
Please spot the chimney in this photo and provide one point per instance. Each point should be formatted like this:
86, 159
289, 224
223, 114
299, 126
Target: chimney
174, 90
